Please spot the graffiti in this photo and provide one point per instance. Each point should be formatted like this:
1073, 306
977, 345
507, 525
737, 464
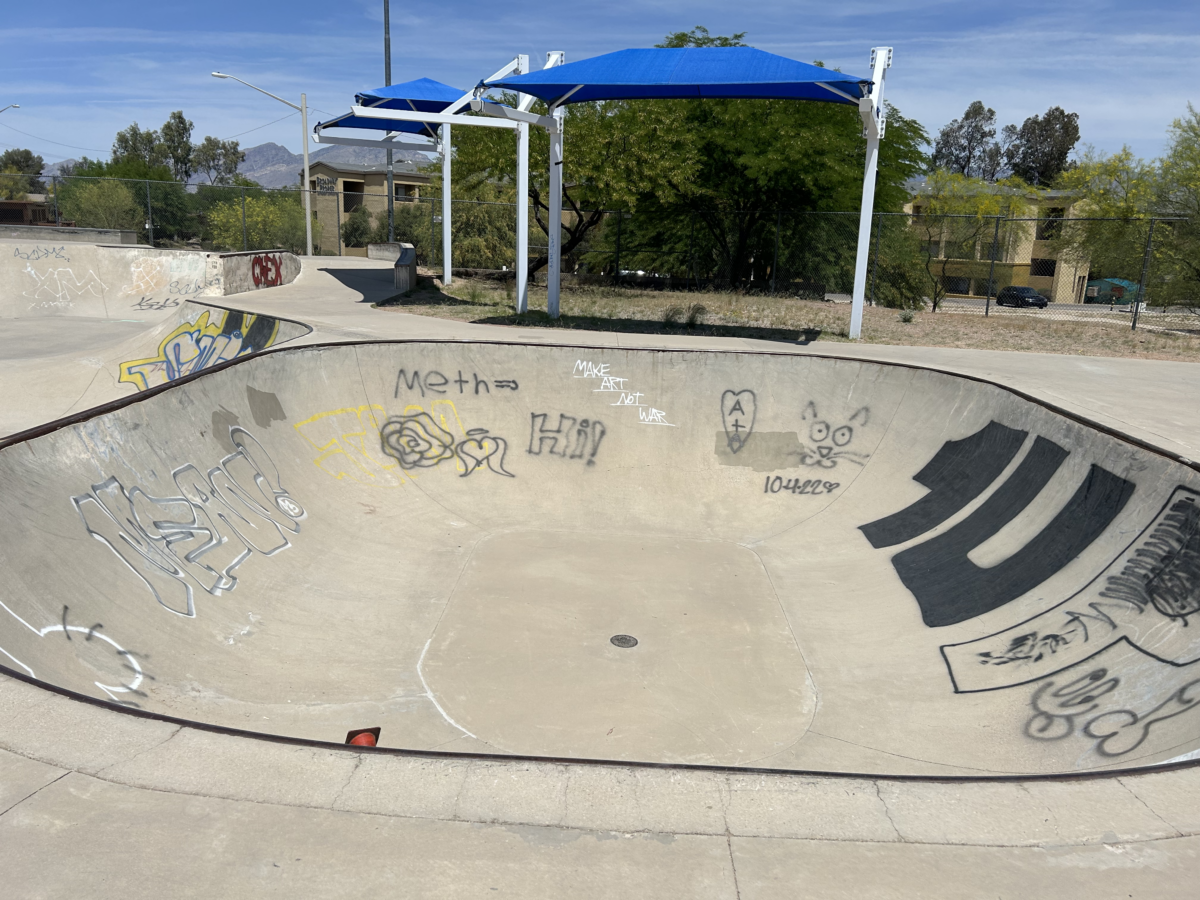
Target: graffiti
178, 275
738, 411
1076, 708
947, 585
39, 253
1144, 597
197, 345
351, 443
267, 270
829, 442
572, 439
958, 473
105, 654
347, 443
627, 396
416, 441
480, 448
149, 303
795, 486
198, 537
60, 287
435, 382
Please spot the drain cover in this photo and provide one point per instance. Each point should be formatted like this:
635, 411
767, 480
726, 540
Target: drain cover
624, 641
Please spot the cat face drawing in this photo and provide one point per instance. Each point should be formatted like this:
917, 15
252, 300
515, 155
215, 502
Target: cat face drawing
826, 444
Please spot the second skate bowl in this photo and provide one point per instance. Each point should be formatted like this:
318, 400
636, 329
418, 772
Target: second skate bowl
725, 559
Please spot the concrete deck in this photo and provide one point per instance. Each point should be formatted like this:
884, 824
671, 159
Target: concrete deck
428, 605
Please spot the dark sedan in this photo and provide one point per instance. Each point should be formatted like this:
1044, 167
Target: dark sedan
1021, 296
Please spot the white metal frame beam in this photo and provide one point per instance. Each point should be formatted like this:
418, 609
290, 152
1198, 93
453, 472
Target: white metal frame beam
871, 109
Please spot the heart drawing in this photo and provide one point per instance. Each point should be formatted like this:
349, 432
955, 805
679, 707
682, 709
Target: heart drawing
738, 409
480, 448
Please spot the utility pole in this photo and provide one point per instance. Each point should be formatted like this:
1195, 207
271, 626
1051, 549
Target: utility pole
387, 80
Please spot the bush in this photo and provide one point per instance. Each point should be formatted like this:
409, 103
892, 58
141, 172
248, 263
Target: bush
101, 204
273, 221
357, 229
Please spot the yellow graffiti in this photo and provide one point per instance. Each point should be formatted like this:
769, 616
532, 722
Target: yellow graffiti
195, 346
349, 447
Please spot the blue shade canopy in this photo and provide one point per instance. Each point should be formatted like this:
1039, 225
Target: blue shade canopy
422, 95
688, 73
425, 95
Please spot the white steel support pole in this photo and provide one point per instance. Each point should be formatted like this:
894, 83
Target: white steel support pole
871, 110
447, 264
307, 185
522, 204
554, 224
523, 218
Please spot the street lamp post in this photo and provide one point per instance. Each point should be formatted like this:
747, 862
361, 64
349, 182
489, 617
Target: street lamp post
11, 106
387, 80
303, 109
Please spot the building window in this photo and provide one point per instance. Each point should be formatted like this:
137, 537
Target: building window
1042, 268
1050, 226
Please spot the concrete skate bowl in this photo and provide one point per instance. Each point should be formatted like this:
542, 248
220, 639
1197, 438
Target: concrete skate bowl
722, 559
93, 361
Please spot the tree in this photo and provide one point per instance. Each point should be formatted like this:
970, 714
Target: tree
176, 136
730, 165
967, 146
1177, 194
101, 204
955, 220
135, 143
699, 37
22, 162
274, 220
217, 160
1039, 149
356, 230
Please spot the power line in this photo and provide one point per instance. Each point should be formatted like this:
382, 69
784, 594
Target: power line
257, 127
48, 141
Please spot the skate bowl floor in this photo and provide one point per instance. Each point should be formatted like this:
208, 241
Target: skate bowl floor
718, 559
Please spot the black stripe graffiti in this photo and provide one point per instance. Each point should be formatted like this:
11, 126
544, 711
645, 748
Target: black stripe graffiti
199, 537
948, 586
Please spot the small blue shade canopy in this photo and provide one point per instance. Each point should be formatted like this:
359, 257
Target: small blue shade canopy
688, 72
423, 95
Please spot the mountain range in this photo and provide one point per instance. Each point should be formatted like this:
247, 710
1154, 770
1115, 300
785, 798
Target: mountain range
273, 165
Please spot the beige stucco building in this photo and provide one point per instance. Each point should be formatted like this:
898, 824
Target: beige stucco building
960, 249
340, 188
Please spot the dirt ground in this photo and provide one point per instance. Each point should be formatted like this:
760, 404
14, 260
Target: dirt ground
795, 321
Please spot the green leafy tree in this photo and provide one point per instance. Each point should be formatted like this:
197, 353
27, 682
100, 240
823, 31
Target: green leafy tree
967, 146
728, 165
101, 204
1177, 258
955, 222
217, 160
274, 220
1118, 193
136, 143
22, 162
357, 227
1039, 151
176, 136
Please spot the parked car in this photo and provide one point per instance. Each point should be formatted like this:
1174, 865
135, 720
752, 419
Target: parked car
1020, 296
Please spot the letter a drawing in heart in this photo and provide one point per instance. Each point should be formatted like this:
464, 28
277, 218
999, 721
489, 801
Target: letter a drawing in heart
738, 409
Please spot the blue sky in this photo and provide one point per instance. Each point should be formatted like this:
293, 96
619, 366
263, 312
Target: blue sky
83, 70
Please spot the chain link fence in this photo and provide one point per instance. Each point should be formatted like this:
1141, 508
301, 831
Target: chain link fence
1135, 272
